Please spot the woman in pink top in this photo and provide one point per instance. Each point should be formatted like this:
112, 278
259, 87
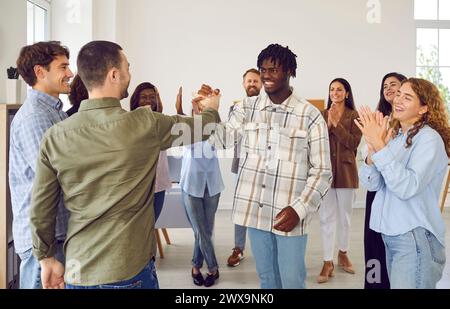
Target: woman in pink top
147, 94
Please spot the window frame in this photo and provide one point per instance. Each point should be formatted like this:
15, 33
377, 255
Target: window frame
436, 24
46, 6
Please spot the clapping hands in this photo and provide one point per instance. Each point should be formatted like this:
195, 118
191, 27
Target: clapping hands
374, 127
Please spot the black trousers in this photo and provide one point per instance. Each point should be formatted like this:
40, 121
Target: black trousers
374, 250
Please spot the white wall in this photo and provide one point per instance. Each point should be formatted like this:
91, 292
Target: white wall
178, 42
104, 25
77, 22
13, 35
72, 25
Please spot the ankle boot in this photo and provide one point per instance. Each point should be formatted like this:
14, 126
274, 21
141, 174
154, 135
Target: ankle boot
326, 273
344, 262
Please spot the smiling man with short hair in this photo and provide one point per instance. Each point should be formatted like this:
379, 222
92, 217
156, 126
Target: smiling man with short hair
45, 67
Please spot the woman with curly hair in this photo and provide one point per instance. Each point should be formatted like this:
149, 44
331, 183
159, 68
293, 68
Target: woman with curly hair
407, 165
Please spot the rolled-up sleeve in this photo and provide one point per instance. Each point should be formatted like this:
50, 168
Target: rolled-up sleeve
44, 207
370, 177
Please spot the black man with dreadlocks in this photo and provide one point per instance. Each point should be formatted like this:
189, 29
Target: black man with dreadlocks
284, 169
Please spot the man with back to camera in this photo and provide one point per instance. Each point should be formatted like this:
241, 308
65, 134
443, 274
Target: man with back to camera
103, 159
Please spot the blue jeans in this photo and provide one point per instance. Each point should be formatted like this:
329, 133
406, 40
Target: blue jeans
415, 260
280, 260
30, 269
201, 213
158, 203
146, 279
240, 233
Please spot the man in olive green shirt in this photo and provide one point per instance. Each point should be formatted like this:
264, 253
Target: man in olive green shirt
103, 159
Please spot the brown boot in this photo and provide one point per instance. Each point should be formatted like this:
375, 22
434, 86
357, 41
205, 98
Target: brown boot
326, 273
344, 262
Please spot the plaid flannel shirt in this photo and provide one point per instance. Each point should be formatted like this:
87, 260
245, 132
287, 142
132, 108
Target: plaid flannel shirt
284, 160
39, 112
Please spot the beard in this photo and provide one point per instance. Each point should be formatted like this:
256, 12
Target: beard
252, 91
124, 94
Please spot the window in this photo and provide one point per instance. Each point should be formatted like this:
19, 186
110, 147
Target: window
433, 43
37, 20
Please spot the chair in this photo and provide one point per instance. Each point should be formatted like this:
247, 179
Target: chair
444, 191
173, 214
158, 241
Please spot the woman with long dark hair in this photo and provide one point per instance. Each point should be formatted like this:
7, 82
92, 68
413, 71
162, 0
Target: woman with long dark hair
78, 93
376, 276
336, 209
147, 94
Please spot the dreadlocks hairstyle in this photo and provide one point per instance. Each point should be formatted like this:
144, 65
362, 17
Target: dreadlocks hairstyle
436, 117
134, 101
281, 55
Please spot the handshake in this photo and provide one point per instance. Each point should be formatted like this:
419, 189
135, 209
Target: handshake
206, 97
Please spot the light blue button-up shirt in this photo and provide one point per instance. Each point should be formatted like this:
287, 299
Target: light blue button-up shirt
409, 182
200, 168
39, 112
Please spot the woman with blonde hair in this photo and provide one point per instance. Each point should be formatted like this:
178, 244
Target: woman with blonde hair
407, 165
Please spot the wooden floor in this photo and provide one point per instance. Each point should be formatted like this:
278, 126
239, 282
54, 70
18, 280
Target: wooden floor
174, 270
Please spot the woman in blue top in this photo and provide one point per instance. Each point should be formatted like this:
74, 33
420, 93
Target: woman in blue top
201, 184
408, 172
376, 276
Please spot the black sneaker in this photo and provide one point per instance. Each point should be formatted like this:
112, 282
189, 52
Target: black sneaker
197, 278
211, 279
